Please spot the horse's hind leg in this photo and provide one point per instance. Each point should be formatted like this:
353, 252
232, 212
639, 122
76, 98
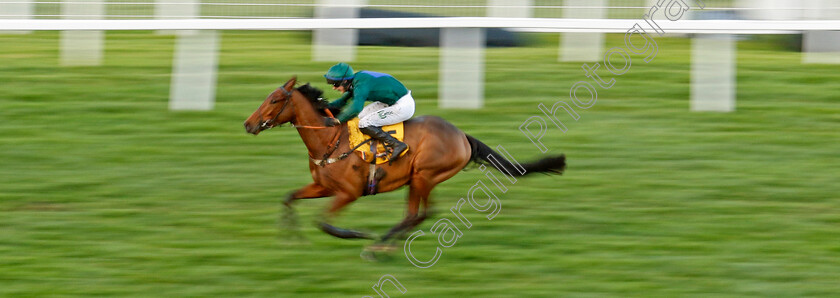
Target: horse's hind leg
341, 200
418, 193
422, 183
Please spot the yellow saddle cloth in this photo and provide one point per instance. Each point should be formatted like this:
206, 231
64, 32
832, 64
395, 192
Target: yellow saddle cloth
357, 137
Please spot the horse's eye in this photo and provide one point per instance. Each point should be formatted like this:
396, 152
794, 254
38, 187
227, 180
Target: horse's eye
273, 101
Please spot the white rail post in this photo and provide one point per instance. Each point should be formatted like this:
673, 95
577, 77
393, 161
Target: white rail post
194, 68
16, 9
82, 48
176, 9
195, 62
335, 44
821, 47
771, 9
510, 8
582, 47
713, 73
461, 68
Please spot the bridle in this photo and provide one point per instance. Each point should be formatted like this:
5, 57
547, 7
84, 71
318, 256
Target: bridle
267, 124
330, 147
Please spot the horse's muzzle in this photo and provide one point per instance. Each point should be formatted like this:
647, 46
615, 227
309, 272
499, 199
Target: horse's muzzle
264, 125
253, 129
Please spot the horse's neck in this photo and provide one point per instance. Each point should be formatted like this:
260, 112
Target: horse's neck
317, 140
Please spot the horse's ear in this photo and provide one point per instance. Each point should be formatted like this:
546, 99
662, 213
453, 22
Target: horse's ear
290, 84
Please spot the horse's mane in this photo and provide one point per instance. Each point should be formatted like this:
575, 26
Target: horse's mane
314, 96
311, 93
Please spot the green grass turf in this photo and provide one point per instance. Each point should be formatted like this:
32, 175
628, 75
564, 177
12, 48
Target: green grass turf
103, 191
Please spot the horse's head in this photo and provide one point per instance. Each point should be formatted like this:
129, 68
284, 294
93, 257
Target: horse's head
275, 110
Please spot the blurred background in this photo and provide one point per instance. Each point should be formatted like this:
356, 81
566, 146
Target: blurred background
710, 170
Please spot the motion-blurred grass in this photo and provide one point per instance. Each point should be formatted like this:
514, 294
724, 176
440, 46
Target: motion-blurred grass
103, 191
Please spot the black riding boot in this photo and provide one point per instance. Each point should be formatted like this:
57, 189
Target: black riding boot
382, 136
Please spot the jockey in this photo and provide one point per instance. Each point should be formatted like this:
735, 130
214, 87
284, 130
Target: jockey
391, 102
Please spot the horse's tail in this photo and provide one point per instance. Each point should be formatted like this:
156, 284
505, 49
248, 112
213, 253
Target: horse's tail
481, 154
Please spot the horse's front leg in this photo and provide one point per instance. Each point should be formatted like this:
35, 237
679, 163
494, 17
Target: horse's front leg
311, 191
341, 200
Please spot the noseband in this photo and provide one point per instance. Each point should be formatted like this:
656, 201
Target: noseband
268, 124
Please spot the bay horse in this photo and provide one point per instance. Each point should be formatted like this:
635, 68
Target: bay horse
437, 151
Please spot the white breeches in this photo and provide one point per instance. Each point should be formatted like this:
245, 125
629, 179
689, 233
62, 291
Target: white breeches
381, 114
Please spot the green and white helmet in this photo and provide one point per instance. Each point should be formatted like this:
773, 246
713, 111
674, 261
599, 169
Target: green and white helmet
339, 72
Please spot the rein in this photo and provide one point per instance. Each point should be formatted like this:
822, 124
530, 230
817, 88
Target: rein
325, 160
316, 127
332, 145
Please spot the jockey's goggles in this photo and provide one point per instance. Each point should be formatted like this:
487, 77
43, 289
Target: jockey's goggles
335, 83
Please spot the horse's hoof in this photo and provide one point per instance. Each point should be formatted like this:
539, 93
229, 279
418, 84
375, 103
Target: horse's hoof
381, 247
376, 254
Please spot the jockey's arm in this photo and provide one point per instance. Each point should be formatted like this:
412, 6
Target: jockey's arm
340, 102
360, 94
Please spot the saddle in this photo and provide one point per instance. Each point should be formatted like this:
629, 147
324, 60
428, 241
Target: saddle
381, 154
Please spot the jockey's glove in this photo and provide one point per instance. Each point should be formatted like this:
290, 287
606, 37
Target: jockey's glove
330, 122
